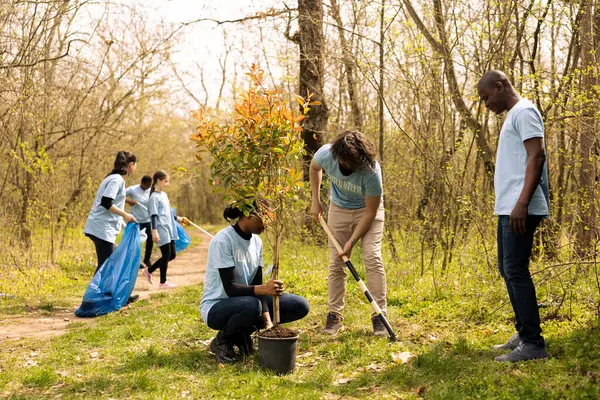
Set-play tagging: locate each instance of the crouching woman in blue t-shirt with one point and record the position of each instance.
(235, 301)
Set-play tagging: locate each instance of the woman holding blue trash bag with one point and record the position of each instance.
(108, 210)
(104, 220)
(164, 229)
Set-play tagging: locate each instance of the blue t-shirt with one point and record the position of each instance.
(102, 223)
(228, 249)
(349, 191)
(159, 205)
(523, 122)
(141, 196)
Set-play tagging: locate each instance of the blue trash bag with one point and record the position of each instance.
(112, 285)
(184, 239)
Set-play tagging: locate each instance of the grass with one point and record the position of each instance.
(157, 348)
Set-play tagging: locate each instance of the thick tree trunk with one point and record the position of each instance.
(311, 42)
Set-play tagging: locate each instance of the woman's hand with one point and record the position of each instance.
(271, 288)
(155, 236)
(128, 218)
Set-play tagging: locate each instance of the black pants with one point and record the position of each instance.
(149, 243)
(514, 252)
(243, 314)
(167, 252)
(103, 250)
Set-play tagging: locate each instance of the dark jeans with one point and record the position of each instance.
(167, 252)
(149, 243)
(514, 252)
(103, 250)
(236, 315)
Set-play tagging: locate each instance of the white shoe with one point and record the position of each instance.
(167, 285)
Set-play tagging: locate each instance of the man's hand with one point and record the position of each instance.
(347, 249)
(316, 210)
(155, 236)
(518, 219)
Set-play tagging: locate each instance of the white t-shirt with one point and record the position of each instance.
(228, 249)
(102, 223)
(141, 196)
(523, 122)
(159, 205)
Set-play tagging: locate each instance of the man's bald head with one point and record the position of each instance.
(492, 77)
(496, 91)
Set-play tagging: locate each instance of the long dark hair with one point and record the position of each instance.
(355, 149)
(122, 162)
(158, 175)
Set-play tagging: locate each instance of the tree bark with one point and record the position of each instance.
(590, 41)
(349, 65)
(311, 43)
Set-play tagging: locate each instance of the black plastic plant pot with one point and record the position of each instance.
(277, 354)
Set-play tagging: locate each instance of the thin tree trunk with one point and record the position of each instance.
(349, 65)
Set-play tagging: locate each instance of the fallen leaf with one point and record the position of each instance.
(307, 354)
(185, 394)
(206, 342)
(402, 358)
(94, 354)
(30, 363)
(342, 381)
(420, 390)
(432, 338)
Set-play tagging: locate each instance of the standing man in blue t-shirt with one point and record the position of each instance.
(137, 198)
(355, 212)
(521, 187)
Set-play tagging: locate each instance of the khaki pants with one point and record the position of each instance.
(341, 222)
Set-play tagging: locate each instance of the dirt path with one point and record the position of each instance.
(186, 270)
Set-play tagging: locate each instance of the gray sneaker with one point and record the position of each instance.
(524, 352)
(334, 324)
(379, 327)
(512, 343)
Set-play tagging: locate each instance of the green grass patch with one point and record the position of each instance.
(158, 348)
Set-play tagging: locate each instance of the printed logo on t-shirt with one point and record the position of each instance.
(349, 186)
(242, 256)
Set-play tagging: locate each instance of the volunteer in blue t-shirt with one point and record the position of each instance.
(108, 211)
(137, 198)
(355, 213)
(235, 300)
(521, 188)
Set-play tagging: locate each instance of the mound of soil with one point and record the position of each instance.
(279, 332)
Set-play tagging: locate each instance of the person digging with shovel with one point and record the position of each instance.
(355, 213)
(235, 300)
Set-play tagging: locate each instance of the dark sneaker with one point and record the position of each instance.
(334, 324)
(244, 343)
(379, 327)
(133, 298)
(524, 352)
(511, 344)
(222, 348)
